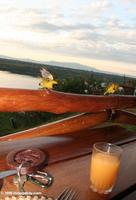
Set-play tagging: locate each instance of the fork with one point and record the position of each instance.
(67, 194)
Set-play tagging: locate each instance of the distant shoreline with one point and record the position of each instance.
(33, 69)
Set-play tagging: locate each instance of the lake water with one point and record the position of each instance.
(10, 80)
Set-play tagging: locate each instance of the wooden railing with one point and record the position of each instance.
(59, 102)
(94, 110)
(71, 147)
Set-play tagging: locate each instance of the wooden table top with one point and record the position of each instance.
(69, 161)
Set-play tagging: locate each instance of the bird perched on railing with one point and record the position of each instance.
(47, 81)
(112, 88)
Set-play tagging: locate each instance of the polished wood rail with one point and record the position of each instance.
(73, 124)
(14, 100)
(68, 125)
(102, 108)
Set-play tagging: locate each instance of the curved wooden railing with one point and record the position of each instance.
(60, 102)
(97, 109)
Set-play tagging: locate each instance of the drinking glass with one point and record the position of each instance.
(104, 168)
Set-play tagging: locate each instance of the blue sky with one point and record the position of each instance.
(98, 33)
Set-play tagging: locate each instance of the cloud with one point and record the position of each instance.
(98, 6)
(129, 1)
(93, 30)
(85, 45)
(14, 18)
(46, 26)
(7, 9)
(93, 11)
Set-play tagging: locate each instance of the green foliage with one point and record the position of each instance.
(74, 85)
(80, 85)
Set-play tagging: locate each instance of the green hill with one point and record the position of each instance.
(33, 69)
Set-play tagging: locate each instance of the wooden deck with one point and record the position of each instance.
(68, 143)
(69, 160)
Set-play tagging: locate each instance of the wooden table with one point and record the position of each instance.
(69, 161)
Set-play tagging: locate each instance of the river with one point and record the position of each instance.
(10, 80)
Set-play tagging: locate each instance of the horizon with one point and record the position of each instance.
(102, 35)
(61, 64)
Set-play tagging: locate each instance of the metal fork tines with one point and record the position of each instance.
(67, 194)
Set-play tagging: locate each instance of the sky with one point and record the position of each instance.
(97, 33)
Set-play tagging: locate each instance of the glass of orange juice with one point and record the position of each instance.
(104, 168)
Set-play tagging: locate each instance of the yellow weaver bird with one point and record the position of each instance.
(47, 81)
(112, 88)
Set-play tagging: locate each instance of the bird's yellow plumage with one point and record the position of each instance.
(112, 88)
(47, 81)
(45, 84)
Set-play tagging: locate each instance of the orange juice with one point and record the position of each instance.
(104, 169)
